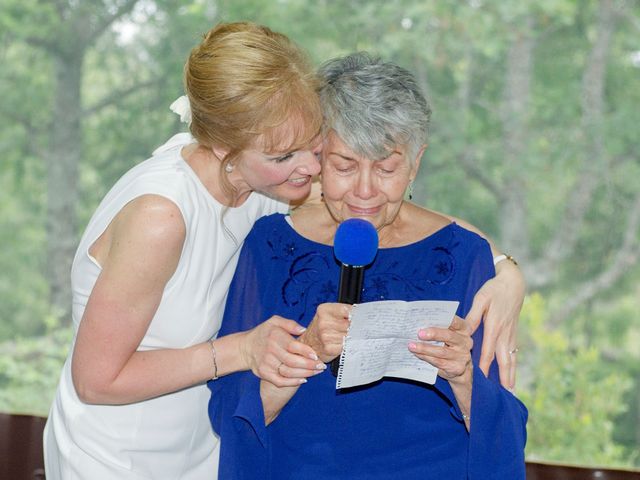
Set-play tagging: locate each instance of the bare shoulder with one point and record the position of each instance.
(463, 223)
(431, 216)
(156, 216)
(426, 222)
(472, 228)
(149, 228)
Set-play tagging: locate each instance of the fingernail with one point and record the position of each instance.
(313, 356)
(302, 380)
(424, 335)
(412, 346)
(321, 366)
(301, 329)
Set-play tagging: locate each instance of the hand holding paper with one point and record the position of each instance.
(453, 360)
(376, 343)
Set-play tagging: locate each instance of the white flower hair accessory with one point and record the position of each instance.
(182, 107)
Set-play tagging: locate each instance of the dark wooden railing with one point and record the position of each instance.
(21, 456)
(21, 447)
(550, 471)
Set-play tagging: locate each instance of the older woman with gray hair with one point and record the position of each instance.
(465, 425)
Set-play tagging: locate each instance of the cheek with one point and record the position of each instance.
(395, 189)
(334, 187)
(274, 174)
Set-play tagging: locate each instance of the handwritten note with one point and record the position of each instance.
(376, 343)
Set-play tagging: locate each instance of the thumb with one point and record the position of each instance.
(457, 324)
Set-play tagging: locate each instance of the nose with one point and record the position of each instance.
(309, 163)
(364, 187)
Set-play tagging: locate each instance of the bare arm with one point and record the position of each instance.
(499, 301)
(274, 399)
(145, 244)
(495, 251)
(324, 335)
(452, 359)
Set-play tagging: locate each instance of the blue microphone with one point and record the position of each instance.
(354, 246)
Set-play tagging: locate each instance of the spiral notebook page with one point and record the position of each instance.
(376, 343)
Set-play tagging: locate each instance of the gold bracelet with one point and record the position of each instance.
(499, 258)
(215, 363)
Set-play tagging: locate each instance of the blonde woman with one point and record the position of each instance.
(152, 271)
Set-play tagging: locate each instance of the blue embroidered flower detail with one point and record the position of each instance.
(303, 292)
(438, 269)
(289, 249)
(304, 272)
(442, 266)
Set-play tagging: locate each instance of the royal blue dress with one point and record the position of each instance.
(388, 429)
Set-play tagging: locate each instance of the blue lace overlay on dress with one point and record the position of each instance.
(302, 292)
(388, 429)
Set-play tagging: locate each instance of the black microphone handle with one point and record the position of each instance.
(349, 291)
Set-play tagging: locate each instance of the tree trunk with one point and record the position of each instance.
(62, 162)
(593, 167)
(514, 236)
(81, 25)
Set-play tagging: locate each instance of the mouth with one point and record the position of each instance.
(364, 210)
(299, 182)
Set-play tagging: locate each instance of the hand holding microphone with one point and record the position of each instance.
(355, 246)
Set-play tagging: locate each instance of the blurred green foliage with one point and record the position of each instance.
(30, 369)
(573, 395)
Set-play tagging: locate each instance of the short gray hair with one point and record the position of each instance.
(373, 105)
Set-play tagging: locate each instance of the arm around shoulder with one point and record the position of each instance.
(498, 304)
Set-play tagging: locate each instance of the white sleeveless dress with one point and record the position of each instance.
(168, 437)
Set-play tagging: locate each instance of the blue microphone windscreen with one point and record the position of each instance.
(356, 242)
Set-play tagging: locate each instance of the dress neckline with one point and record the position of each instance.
(450, 227)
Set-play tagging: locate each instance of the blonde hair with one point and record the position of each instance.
(244, 82)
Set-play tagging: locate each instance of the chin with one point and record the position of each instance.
(373, 221)
(294, 195)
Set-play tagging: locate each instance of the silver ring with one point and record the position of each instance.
(515, 350)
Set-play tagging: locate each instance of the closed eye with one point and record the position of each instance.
(344, 167)
(341, 163)
(388, 166)
(283, 158)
